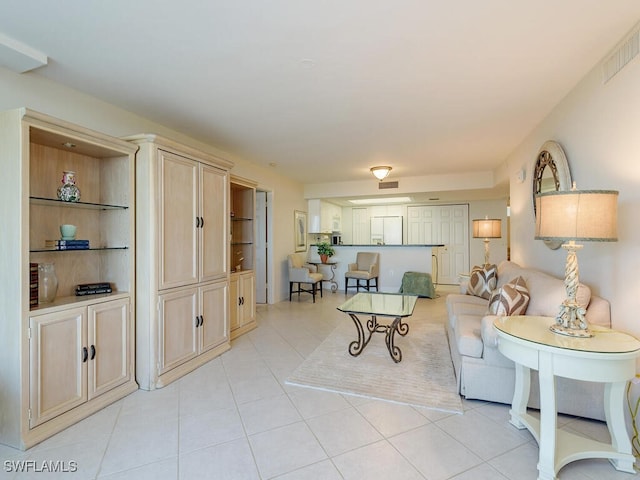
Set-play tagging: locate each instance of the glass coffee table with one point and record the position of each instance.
(392, 305)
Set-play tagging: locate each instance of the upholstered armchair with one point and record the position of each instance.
(302, 273)
(366, 269)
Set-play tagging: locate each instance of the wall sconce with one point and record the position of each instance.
(487, 228)
(380, 172)
(567, 216)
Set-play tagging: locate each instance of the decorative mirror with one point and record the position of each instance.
(551, 173)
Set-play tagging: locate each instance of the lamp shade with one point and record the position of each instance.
(587, 215)
(487, 228)
(380, 172)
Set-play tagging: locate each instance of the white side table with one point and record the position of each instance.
(608, 357)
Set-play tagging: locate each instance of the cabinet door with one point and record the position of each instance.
(58, 364)
(178, 261)
(177, 337)
(247, 298)
(109, 341)
(234, 303)
(214, 329)
(213, 213)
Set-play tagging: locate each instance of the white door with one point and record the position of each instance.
(262, 235)
(360, 226)
(453, 258)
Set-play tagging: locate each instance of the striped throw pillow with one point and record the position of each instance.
(510, 299)
(483, 281)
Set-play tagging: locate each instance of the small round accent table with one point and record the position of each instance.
(608, 357)
(332, 270)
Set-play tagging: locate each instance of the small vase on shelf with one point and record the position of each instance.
(68, 191)
(47, 283)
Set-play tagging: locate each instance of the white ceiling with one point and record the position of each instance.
(323, 90)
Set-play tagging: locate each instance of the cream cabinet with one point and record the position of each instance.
(242, 298)
(76, 355)
(242, 303)
(192, 244)
(192, 321)
(324, 217)
(182, 196)
(46, 386)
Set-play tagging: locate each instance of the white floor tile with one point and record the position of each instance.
(391, 418)
(434, 453)
(285, 449)
(269, 413)
(341, 431)
(379, 461)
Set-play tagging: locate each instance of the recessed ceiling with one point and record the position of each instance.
(322, 91)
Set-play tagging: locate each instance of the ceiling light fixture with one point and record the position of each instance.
(380, 172)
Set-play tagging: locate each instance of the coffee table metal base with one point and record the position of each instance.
(356, 347)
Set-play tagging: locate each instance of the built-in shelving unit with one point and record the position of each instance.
(63, 360)
(242, 283)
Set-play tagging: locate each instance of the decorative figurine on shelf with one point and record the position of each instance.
(325, 250)
(68, 191)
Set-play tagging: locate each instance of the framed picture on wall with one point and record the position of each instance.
(300, 230)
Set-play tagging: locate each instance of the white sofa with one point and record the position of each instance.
(483, 373)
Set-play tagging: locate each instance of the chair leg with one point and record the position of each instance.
(320, 284)
(290, 290)
(376, 279)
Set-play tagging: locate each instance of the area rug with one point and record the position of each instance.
(424, 377)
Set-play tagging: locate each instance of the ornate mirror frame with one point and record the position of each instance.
(550, 172)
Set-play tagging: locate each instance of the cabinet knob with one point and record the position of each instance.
(85, 354)
(201, 222)
(197, 222)
(93, 352)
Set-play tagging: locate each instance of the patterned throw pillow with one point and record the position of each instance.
(510, 299)
(483, 281)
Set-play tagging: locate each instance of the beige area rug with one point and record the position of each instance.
(423, 378)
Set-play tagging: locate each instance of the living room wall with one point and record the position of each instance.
(597, 125)
(32, 91)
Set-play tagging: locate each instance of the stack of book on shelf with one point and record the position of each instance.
(67, 244)
(33, 284)
(93, 288)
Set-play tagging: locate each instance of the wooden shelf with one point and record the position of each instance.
(54, 202)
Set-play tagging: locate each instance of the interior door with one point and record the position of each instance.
(262, 235)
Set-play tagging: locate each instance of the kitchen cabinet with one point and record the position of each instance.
(182, 227)
(324, 217)
(242, 304)
(45, 385)
(76, 355)
(242, 285)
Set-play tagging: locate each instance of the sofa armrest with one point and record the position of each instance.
(488, 331)
(311, 268)
(599, 312)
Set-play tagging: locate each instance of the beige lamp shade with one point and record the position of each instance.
(586, 215)
(487, 228)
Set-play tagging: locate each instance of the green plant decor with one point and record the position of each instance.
(324, 248)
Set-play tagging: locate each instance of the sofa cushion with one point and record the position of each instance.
(483, 281)
(510, 299)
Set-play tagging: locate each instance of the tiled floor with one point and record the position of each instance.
(235, 418)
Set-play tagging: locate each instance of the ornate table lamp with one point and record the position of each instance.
(487, 228)
(567, 216)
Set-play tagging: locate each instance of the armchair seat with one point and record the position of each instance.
(305, 276)
(365, 269)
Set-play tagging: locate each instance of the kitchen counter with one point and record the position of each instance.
(395, 260)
